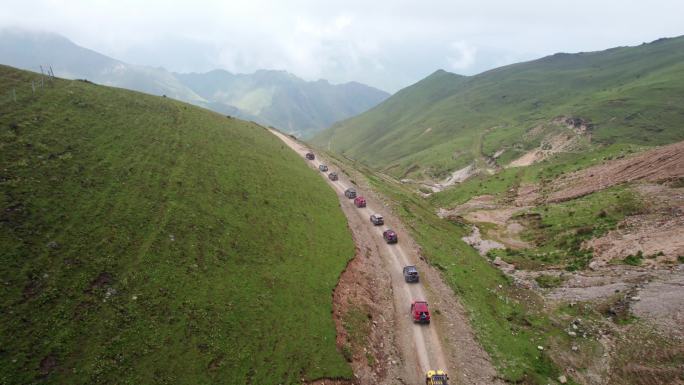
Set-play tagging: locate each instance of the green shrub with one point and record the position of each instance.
(634, 259)
(548, 281)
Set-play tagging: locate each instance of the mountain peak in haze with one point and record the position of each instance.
(270, 97)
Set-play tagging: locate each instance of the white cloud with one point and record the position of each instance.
(463, 55)
(387, 43)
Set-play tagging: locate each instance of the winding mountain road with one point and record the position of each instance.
(425, 350)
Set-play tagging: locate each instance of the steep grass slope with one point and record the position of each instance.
(146, 241)
(628, 95)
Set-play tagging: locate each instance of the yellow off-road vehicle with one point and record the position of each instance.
(436, 377)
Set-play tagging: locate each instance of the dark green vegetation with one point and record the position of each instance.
(557, 230)
(510, 322)
(628, 95)
(148, 241)
(549, 281)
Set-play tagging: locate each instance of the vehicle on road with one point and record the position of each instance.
(377, 219)
(323, 167)
(436, 377)
(310, 156)
(411, 274)
(350, 193)
(420, 312)
(333, 176)
(360, 202)
(390, 236)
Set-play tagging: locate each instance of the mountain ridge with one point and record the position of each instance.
(270, 97)
(626, 94)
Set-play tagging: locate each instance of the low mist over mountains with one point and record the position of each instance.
(274, 98)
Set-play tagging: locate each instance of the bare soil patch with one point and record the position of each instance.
(662, 302)
(365, 285)
(578, 132)
(483, 209)
(659, 164)
(657, 233)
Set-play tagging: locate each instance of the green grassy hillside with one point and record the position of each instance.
(632, 95)
(146, 241)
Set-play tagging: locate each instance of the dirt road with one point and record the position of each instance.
(420, 347)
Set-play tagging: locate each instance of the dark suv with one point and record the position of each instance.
(411, 274)
(332, 176)
(350, 193)
(310, 156)
(390, 236)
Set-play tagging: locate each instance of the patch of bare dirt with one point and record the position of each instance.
(102, 280)
(47, 365)
(499, 217)
(483, 246)
(528, 158)
(657, 233)
(662, 302)
(457, 176)
(656, 165)
(599, 284)
(483, 209)
(578, 132)
(364, 284)
(479, 202)
(528, 195)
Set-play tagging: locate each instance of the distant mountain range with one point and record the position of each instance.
(273, 98)
(522, 113)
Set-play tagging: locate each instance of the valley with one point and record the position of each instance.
(183, 234)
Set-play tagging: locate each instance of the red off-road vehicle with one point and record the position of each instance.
(390, 236)
(420, 312)
(360, 202)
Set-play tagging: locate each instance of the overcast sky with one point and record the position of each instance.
(387, 44)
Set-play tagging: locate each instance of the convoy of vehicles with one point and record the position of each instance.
(419, 308)
(420, 312)
(390, 236)
(377, 219)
